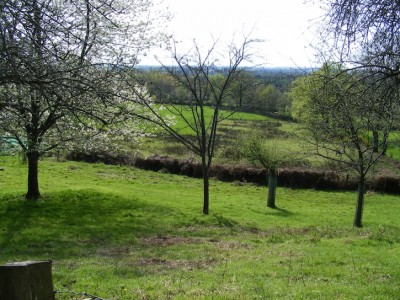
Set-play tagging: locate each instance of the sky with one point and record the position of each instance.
(285, 26)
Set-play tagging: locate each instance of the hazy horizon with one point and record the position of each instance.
(285, 26)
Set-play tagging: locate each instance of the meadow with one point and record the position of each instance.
(234, 131)
(231, 134)
(123, 233)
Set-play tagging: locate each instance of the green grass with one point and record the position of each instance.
(230, 130)
(233, 131)
(123, 233)
(231, 134)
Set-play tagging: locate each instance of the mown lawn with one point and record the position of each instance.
(124, 233)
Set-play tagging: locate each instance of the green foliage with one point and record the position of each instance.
(313, 92)
(265, 152)
(122, 233)
(340, 111)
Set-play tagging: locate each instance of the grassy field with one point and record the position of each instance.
(123, 233)
(232, 133)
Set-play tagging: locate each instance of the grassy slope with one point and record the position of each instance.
(123, 233)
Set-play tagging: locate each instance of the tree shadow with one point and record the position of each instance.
(280, 212)
(224, 221)
(74, 224)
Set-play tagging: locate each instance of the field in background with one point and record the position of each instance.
(124, 233)
(233, 132)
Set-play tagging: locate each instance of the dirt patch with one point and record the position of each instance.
(152, 261)
(230, 245)
(115, 251)
(177, 264)
(169, 240)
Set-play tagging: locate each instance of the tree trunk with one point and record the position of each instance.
(272, 183)
(360, 202)
(206, 185)
(385, 145)
(205, 168)
(375, 141)
(33, 182)
(206, 188)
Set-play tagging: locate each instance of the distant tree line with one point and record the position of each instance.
(263, 91)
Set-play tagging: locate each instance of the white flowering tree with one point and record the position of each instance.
(59, 68)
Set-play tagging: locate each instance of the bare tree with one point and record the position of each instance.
(59, 65)
(365, 35)
(206, 85)
(370, 25)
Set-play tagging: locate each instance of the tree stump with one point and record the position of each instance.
(28, 280)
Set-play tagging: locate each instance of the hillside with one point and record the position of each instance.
(123, 233)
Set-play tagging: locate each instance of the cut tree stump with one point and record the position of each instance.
(27, 280)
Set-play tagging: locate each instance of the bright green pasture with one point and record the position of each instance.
(183, 114)
(124, 233)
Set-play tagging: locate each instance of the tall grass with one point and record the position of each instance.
(122, 233)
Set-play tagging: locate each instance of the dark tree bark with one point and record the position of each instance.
(33, 182)
(375, 141)
(206, 193)
(360, 202)
(272, 183)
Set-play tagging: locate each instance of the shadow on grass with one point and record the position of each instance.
(281, 212)
(75, 223)
(223, 221)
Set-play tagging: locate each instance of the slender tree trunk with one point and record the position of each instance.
(375, 141)
(360, 202)
(272, 183)
(33, 182)
(206, 187)
(206, 184)
(385, 145)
